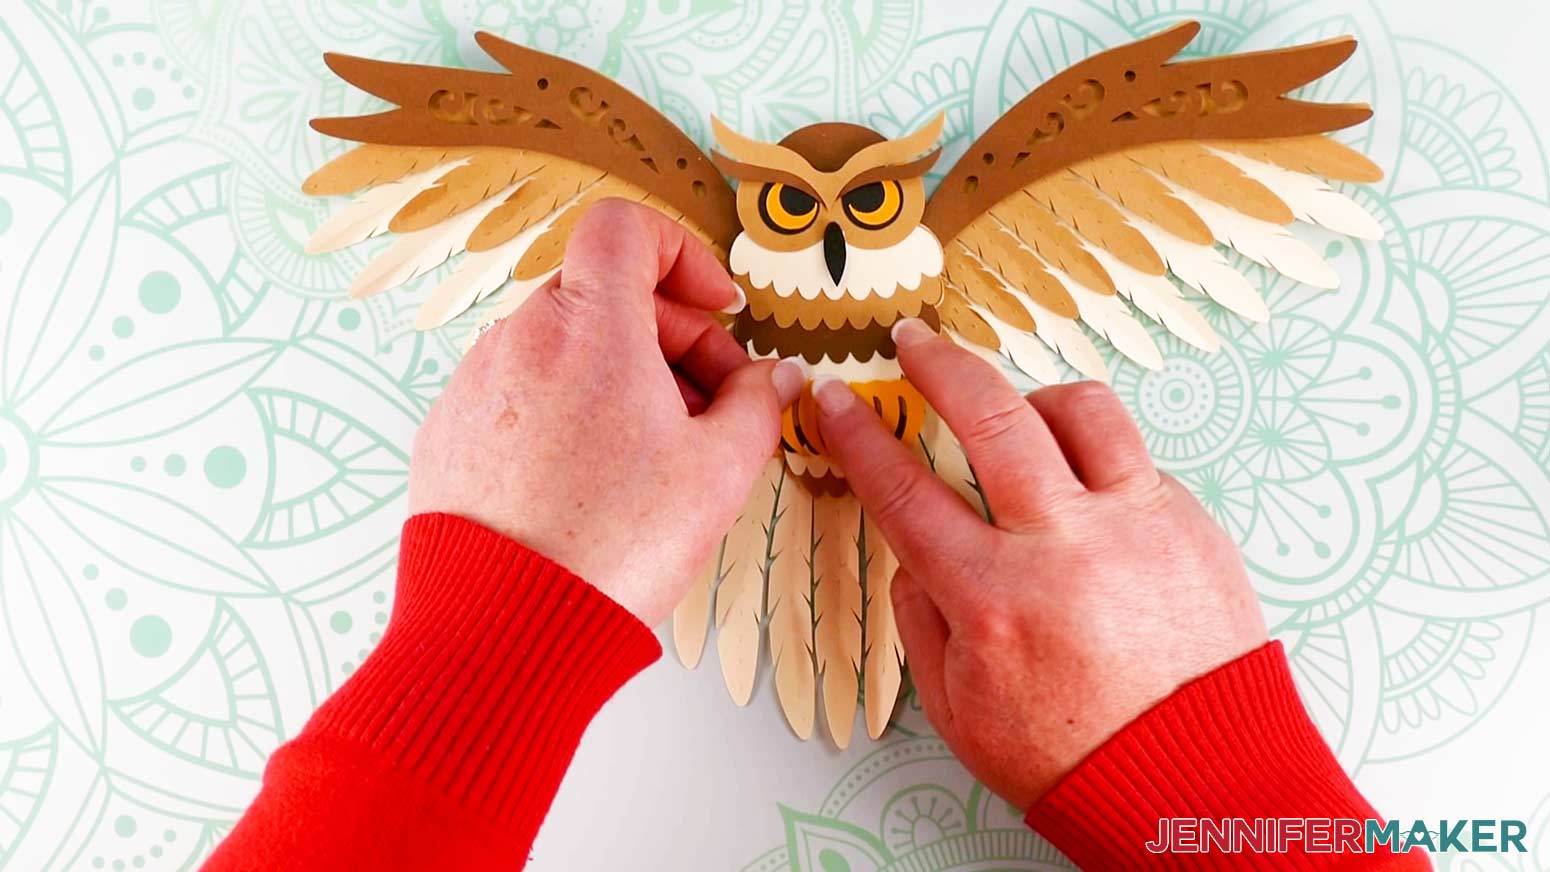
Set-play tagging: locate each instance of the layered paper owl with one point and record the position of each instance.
(1112, 188)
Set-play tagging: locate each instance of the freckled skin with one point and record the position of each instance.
(565, 429)
(1102, 587)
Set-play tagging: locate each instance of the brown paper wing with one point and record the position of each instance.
(1114, 186)
(494, 169)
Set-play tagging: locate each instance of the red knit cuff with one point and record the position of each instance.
(495, 661)
(1236, 742)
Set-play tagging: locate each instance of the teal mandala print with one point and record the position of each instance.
(203, 446)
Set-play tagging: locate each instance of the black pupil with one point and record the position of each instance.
(794, 201)
(867, 198)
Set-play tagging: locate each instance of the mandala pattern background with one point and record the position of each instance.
(203, 448)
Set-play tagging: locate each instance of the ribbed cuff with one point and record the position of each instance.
(495, 661)
(1235, 743)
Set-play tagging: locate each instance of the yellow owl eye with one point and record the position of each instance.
(876, 204)
(786, 209)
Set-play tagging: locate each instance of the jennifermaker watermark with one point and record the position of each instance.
(1334, 835)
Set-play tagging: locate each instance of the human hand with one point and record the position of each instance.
(609, 423)
(1101, 588)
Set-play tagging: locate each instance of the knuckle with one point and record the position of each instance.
(996, 425)
(900, 492)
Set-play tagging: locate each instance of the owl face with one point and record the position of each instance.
(835, 188)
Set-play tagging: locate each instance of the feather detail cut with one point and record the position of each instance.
(1157, 298)
(960, 319)
(413, 254)
(946, 458)
(536, 198)
(1038, 228)
(478, 275)
(548, 249)
(368, 165)
(1076, 203)
(487, 171)
(837, 611)
(745, 556)
(1026, 353)
(1310, 199)
(883, 651)
(1195, 168)
(1271, 245)
(983, 289)
(1064, 336)
(1203, 268)
(1109, 317)
(1319, 155)
(1001, 253)
(369, 214)
(791, 610)
(1132, 186)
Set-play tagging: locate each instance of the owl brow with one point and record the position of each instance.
(745, 172)
(914, 169)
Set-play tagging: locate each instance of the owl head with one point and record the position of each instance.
(842, 187)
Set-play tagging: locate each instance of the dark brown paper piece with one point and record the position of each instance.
(545, 104)
(1130, 96)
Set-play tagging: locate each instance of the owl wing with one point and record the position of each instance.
(497, 168)
(1125, 168)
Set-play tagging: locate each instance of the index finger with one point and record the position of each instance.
(621, 254)
(931, 528)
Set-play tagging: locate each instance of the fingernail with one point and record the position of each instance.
(911, 331)
(833, 394)
(736, 305)
(789, 376)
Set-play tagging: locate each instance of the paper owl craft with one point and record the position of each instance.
(1073, 209)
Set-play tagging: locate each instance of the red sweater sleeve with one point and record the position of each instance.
(1235, 743)
(446, 747)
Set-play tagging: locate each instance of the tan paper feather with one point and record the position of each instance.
(1203, 268)
(368, 165)
(534, 199)
(1076, 203)
(1195, 168)
(1319, 155)
(790, 611)
(1039, 229)
(1132, 186)
(1310, 199)
(1109, 317)
(478, 275)
(883, 654)
(548, 249)
(1264, 242)
(368, 214)
(1026, 353)
(959, 317)
(975, 282)
(691, 619)
(1002, 254)
(1158, 299)
(739, 600)
(488, 171)
(946, 458)
(837, 611)
(414, 254)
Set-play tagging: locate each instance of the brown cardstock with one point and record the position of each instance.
(546, 104)
(1130, 96)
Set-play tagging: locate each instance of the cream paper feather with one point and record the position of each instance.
(370, 213)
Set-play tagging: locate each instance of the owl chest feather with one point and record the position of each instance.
(841, 328)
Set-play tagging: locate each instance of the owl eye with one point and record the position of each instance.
(786, 209)
(876, 204)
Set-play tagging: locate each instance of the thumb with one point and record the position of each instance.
(744, 415)
(924, 633)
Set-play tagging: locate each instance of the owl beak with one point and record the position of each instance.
(834, 251)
